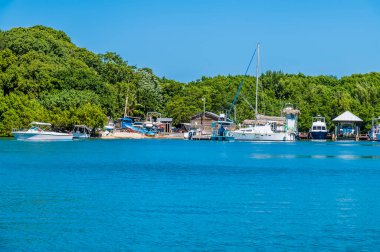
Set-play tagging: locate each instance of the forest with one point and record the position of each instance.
(45, 77)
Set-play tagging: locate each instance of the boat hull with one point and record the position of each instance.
(222, 138)
(318, 135)
(44, 136)
(275, 136)
(377, 137)
(81, 135)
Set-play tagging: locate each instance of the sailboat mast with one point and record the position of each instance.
(257, 79)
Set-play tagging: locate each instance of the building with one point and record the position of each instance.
(166, 124)
(202, 121)
(347, 126)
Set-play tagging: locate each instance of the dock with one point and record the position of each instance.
(201, 137)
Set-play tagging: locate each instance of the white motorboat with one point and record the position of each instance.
(318, 128)
(40, 131)
(81, 131)
(110, 125)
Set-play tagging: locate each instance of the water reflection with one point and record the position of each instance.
(291, 156)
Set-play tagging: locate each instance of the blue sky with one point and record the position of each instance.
(185, 40)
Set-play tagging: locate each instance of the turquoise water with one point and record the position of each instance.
(178, 195)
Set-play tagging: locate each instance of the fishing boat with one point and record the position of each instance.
(374, 133)
(40, 131)
(221, 129)
(268, 128)
(318, 128)
(81, 131)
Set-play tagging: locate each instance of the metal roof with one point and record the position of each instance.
(208, 114)
(164, 119)
(347, 117)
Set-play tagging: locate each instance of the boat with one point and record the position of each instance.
(110, 125)
(40, 131)
(318, 128)
(128, 124)
(81, 131)
(189, 134)
(374, 133)
(268, 128)
(221, 129)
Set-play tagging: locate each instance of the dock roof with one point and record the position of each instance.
(347, 117)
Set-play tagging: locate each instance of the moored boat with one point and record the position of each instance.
(81, 131)
(40, 131)
(268, 128)
(221, 129)
(318, 128)
(374, 133)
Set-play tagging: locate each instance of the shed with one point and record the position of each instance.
(347, 126)
(166, 123)
(203, 121)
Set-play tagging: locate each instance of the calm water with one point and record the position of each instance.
(189, 195)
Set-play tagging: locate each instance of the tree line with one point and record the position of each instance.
(45, 77)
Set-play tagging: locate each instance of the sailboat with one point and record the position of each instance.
(269, 128)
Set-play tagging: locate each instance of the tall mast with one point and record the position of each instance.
(257, 79)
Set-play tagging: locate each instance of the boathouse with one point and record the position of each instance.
(347, 126)
(203, 121)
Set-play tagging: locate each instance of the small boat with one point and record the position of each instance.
(318, 128)
(221, 129)
(374, 133)
(110, 125)
(191, 133)
(81, 131)
(40, 131)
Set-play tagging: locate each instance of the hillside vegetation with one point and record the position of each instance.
(45, 77)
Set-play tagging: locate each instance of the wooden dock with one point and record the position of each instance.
(201, 137)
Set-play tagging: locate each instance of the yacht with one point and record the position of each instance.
(40, 131)
(318, 128)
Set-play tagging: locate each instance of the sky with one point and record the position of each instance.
(185, 40)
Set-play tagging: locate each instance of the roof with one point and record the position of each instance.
(211, 115)
(82, 126)
(40, 123)
(290, 110)
(347, 117)
(164, 119)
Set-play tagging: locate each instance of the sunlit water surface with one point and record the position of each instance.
(189, 195)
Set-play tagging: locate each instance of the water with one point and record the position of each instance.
(177, 195)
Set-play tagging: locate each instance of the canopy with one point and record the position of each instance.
(263, 119)
(347, 117)
(40, 123)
